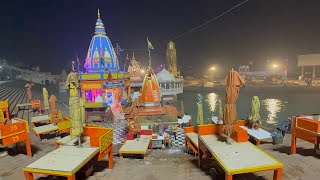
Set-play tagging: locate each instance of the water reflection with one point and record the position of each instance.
(212, 100)
(273, 106)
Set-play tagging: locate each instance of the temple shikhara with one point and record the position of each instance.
(102, 84)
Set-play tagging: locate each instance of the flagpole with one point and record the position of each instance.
(149, 52)
(149, 57)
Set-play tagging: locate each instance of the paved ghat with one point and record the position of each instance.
(166, 164)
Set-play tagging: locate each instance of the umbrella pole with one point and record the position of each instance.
(79, 143)
(228, 139)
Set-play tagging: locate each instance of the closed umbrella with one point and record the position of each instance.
(233, 81)
(254, 116)
(82, 110)
(45, 98)
(200, 110)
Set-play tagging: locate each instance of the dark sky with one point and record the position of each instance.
(49, 32)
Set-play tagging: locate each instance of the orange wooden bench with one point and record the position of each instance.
(15, 132)
(306, 128)
(4, 106)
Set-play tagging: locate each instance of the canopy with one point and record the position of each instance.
(233, 81)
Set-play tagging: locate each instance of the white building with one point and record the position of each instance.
(169, 85)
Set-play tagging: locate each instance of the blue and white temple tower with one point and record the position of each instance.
(101, 55)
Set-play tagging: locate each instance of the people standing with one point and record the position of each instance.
(29, 91)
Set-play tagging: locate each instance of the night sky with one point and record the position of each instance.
(50, 32)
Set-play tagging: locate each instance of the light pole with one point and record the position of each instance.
(275, 67)
(213, 69)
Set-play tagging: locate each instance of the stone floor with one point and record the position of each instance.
(172, 164)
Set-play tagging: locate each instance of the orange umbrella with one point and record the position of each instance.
(233, 81)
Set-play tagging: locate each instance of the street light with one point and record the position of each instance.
(213, 69)
(275, 66)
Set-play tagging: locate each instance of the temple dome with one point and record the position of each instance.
(101, 55)
(165, 76)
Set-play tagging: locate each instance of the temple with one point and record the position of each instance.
(103, 84)
(136, 78)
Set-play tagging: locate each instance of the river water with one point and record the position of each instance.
(275, 105)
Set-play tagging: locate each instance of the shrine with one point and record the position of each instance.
(102, 84)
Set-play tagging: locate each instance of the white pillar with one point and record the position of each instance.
(313, 72)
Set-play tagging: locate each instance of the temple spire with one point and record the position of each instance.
(133, 55)
(99, 30)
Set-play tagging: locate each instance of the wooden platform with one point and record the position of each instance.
(65, 161)
(45, 129)
(39, 119)
(258, 134)
(136, 146)
(239, 158)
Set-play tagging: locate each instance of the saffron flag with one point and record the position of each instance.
(149, 44)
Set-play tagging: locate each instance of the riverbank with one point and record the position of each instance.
(172, 164)
(257, 88)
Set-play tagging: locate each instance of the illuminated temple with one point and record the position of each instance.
(102, 84)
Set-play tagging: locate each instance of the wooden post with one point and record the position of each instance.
(110, 157)
(277, 174)
(228, 176)
(258, 142)
(28, 175)
(293, 137)
(72, 177)
(28, 146)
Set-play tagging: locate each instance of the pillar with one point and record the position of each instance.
(302, 72)
(313, 72)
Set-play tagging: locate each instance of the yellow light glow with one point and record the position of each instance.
(275, 66)
(213, 68)
(142, 71)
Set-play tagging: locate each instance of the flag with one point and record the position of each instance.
(149, 44)
(78, 61)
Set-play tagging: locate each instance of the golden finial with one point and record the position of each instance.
(98, 14)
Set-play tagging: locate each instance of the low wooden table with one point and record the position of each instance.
(238, 158)
(136, 146)
(192, 141)
(35, 104)
(258, 134)
(65, 161)
(40, 119)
